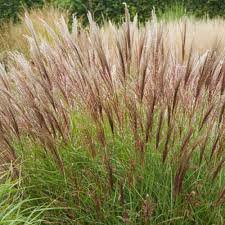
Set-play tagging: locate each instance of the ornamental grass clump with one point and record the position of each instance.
(118, 116)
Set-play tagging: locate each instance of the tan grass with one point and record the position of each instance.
(201, 34)
(12, 36)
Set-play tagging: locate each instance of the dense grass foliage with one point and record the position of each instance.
(117, 124)
(15, 207)
(13, 35)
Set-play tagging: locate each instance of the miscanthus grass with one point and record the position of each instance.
(114, 125)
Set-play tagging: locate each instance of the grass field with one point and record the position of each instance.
(112, 124)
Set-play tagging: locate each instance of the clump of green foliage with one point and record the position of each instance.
(113, 9)
(15, 206)
(9, 10)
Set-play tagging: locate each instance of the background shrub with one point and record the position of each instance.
(9, 9)
(114, 9)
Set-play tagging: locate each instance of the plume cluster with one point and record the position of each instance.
(127, 77)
